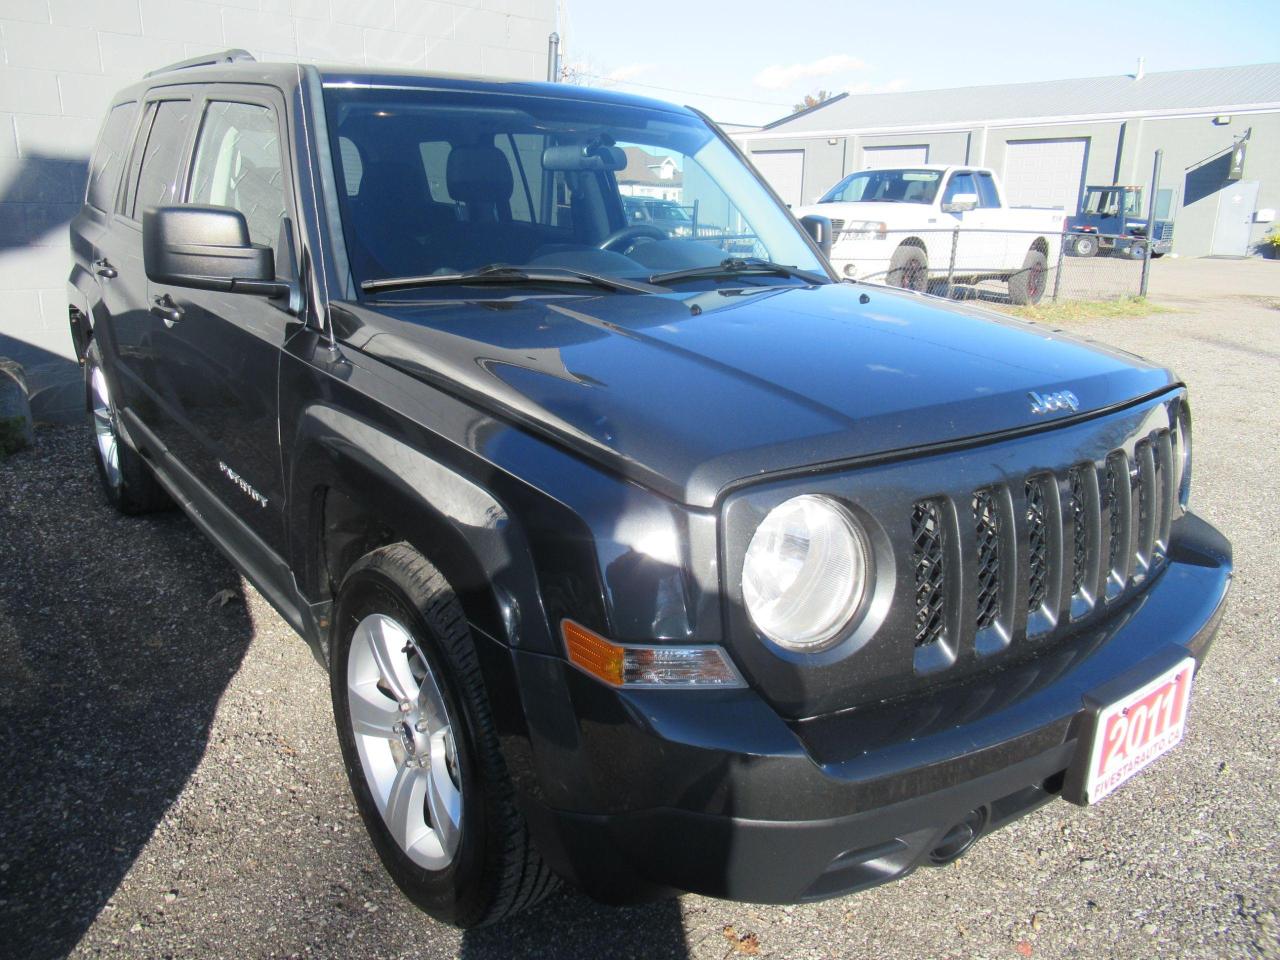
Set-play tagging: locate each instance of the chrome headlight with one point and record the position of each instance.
(864, 229)
(1182, 452)
(805, 573)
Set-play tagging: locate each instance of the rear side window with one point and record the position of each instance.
(160, 160)
(987, 196)
(108, 156)
(238, 165)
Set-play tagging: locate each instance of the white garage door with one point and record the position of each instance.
(784, 169)
(1045, 173)
(877, 158)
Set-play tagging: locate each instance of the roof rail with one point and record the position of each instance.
(208, 60)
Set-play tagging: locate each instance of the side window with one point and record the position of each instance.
(960, 183)
(238, 165)
(435, 159)
(520, 198)
(108, 156)
(160, 166)
(352, 166)
(987, 194)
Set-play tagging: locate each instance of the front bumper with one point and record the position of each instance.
(644, 792)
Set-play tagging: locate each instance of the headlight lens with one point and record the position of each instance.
(864, 229)
(805, 572)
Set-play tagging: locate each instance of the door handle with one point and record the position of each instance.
(164, 308)
(105, 269)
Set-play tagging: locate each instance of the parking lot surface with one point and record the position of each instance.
(172, 784)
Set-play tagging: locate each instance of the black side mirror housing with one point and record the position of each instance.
(819, 228)
(207, 248)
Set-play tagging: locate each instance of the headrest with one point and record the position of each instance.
(479, 174)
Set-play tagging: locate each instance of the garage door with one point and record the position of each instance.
(876, 158)
(784, 169)
(1045, 173)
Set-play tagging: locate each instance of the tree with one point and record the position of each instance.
(812, 100)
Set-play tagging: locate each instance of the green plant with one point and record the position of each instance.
(1272, 240)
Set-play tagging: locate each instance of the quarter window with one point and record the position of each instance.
(108, 158)
(238, 165)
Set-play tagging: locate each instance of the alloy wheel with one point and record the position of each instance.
(405, 740)
(104, 428)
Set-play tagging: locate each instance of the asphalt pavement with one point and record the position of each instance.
(172, 785)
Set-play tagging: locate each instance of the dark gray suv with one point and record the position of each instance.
(650, 561)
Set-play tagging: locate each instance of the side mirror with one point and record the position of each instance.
(961, 202)
(819, 228)
(207, 248)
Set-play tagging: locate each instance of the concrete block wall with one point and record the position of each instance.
(62, 60)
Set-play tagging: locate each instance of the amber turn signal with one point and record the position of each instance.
(647, 666)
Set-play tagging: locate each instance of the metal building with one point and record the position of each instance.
(1219, 130)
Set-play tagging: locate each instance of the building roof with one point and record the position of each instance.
(642, 167)
(1175, 90)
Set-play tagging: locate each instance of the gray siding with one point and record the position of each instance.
(61, 61)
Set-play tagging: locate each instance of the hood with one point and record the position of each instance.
(865, 210)
(689, 393)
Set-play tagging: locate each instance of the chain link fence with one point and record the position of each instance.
(1001, 266)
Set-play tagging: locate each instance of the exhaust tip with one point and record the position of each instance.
(959, 837)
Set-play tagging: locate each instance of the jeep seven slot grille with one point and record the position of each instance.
(926, 533)
(1074, 539)
(986, 524)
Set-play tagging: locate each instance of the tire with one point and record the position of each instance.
(909, 269)
(1156, 256)
(1027, 285)
(451, 837)
(1084, 247)
(1137, 251)
(126, 477)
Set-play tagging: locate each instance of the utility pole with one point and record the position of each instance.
(1151, 221)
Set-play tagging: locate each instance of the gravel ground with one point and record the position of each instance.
(173, 786)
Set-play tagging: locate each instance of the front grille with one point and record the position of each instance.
(1080, 530)
(1076, 538)
(928, 556)
(1037, 544)
(836, 227)
(986, 523)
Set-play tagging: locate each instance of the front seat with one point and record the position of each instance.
(393, 216)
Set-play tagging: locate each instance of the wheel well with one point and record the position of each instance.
(346, 529)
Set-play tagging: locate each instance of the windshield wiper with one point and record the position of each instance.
(506, 273)
(739, 266)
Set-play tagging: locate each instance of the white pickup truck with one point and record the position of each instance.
(901, 226)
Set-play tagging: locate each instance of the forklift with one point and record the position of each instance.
(1112, 221)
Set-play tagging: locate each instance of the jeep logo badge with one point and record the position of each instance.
(1048, 402)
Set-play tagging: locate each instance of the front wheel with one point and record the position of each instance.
(909, 269)
(420, 747)
(1027, 285)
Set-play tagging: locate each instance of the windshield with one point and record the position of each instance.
(893, 186)
(436, 182)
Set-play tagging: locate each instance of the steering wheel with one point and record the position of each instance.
(623, 239)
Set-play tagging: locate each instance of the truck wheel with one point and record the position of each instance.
(126, 477)
(420, 747)
(909, 269)
(1085, 246)
(1138, 251)
(1027, 285)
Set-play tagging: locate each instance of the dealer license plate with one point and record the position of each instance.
(1134, 731)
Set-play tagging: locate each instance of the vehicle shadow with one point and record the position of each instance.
(112, 662)
(570, 926)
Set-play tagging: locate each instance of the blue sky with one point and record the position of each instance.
(747, 61)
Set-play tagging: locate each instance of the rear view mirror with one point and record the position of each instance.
(960, 202)
(819, 228)
(206, 248)
(584, 156)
